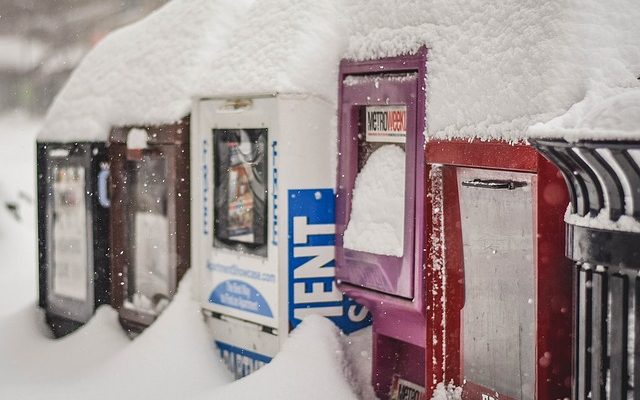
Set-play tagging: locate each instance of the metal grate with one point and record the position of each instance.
(607, 344)
(604, 182)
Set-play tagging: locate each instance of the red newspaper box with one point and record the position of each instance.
(498, 304)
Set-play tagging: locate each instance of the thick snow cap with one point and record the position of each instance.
(604, 114)
(290, 46)
(495, 68)
(145, 73)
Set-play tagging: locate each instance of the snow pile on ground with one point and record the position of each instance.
(176, 349)
(358, 348)
(604, 114)
(494, 69)
(447, 392)
(17, 227)
(145, 73)
(311, 365)
(376, 224)
(283, 46)
(28, 355)
(27, 352)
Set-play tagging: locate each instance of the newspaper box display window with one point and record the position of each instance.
(72, 232)
(263, 222)
(497, 210)
(379, 211)
(240, 192)
(150, 227)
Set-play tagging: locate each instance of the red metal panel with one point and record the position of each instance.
(552, 270)
(495, 155)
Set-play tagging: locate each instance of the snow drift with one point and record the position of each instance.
(494, 69)
(311, 365)
(290, 46)
(145, 73)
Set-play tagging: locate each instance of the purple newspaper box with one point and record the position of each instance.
(379, 211)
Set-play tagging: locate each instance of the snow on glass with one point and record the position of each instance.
(376, 224)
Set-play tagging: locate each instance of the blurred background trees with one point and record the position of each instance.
(42, 41)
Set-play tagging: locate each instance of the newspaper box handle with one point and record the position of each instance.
(494, 184)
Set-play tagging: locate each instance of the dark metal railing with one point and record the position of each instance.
(603, 178)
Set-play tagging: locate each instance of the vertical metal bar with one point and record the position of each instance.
(584, 338)
(599, 300)
(618, 353)
(577, 289)
(636, 341)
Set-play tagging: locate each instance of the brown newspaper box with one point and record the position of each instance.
(150, 219)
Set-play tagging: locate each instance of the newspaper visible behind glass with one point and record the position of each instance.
(69, 233)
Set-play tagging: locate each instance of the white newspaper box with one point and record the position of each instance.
(263, 180)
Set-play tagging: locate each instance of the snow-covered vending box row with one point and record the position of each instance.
(456, 247)
(113, 224)
(425, 235)
(440, 220)
(262, 206)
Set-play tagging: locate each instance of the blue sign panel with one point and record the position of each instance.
(311, 241)
(240, 361)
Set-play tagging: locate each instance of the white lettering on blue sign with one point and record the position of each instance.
(312, 286)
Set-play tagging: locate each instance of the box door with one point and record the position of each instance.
(69, 233)
(151, 274)
(375, 204)
(240, 273)
(240, 190)
(498, 318)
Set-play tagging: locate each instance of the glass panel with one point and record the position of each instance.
(149, 276)
(376, 223)
(499, 311)
(240, 196)
(70, 253)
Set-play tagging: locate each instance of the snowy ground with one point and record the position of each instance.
(173, 359)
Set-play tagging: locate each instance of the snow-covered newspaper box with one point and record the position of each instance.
(73, 232)
(379, 212)
(149, 219)
(263, 222)
(499, 291)
(600, 161)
